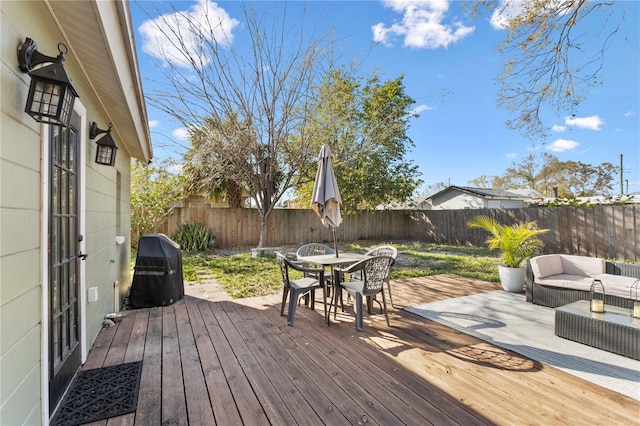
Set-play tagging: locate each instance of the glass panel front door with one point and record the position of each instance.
(64, 326)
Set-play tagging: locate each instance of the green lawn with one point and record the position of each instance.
(243, 276)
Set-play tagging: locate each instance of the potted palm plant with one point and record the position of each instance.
(516, 242)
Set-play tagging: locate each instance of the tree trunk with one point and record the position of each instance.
(264, 219)
(234, 194)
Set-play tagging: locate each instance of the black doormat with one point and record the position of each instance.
(99, 394)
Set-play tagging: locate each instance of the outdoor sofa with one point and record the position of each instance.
(559, 279)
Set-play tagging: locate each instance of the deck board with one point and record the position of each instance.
(174, 405)
(299, 371)
(150, 395)
(312, 381)
(199, 410)
(221, 399)
(252, 410)
(237, 362)
(270, 380)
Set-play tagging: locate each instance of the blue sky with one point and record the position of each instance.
(449, 65)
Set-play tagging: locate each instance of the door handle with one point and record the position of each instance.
(82, 256)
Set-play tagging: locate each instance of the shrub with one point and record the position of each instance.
(154, 193)
(194, 237)
(517, 242)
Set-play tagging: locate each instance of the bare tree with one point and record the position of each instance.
(483, 181)
(554, 51)
(244, 102)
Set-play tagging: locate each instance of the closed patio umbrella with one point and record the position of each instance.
(326, 200)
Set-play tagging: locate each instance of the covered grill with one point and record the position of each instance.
(157, 279)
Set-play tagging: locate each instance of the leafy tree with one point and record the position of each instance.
(245, 108)
(585, 180)
(521, 175)
(207, 171)
(570, 178)
(154, 193)
(365, 124)
(554, 52)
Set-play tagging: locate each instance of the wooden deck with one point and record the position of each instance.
(230, 363)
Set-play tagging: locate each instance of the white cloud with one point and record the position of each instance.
(533, 148)
(629, 114)
(181, 133)
(421, 25)
(159, 35)
(558, 128)
(592, 123)
(504, 12)
(153, 123)
(511, 155)
(175, 168)
(561, 145)
(420, 108)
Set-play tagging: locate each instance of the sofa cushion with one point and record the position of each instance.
(617, 285)
(546, 265)
(582, 265)
(614, 285)
(575, 282)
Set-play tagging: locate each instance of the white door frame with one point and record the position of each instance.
(79, 109)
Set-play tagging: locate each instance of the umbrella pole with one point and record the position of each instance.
(335, 243)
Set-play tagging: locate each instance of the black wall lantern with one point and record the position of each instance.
(51, 94)
(106, 146)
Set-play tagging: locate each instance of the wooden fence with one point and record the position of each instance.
(611, 232)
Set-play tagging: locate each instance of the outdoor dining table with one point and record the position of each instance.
(333, 261)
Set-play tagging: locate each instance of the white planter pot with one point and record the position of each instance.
(512, 279)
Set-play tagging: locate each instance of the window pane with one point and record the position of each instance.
(73, 326)
(72, 194)
(68, 243)
(55, 201)
(72, 152)
(64, 333)
(64, 144)
(56, 342)
(64, 194)
(64, 254)
(56, 144)
(55, 249)
(55, 286)
(64, 287)
(72, 283)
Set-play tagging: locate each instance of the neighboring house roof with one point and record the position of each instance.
(427, 202)
(100, 38)
(488, 193)
(529, 193)
(419, 203)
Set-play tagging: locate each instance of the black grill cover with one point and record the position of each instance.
(157, 279)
